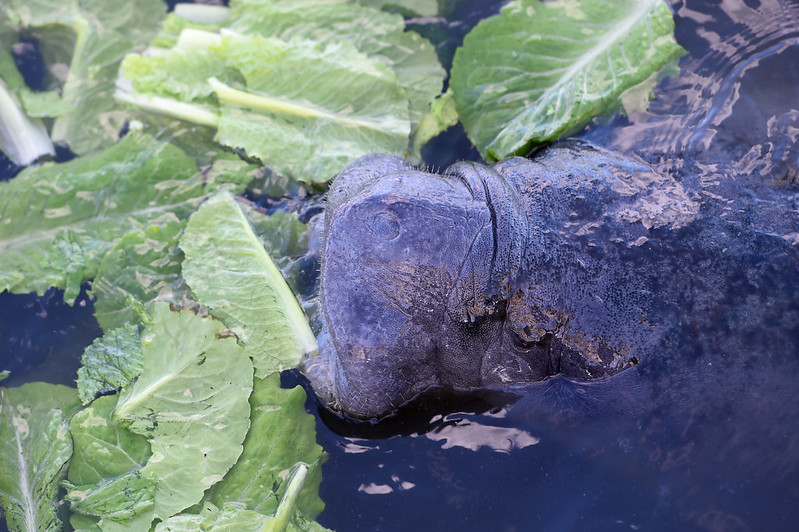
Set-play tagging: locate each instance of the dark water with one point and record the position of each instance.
(702, 435)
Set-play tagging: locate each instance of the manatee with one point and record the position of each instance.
(562, 264)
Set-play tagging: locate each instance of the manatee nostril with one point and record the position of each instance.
(385, 225)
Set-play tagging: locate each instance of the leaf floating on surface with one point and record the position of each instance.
(540, 70)
(91, 37)
(304, 109)
(228, 269)
(35, 447)
(111, 362)
(191, 403)
(58, 221)
(282, 435)
(145, 266)
(104, 477)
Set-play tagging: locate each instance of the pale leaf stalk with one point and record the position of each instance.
(286, 508)
(22, 139)
(276, 105)
(170, 107)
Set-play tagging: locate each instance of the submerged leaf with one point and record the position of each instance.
(34, 449)
(191, 403)
(540, 70)
(57, 221)
(228, 269)
(111, 362)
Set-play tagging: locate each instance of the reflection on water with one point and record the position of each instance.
(455, 431)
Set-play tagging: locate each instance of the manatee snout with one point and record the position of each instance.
(460, 280)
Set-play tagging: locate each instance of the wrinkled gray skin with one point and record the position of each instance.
(490, 276)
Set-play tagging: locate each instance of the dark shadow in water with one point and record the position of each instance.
(43, 338)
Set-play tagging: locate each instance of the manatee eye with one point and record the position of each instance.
(385, 225)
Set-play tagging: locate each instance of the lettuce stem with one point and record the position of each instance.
(167, 106)
(22, 139)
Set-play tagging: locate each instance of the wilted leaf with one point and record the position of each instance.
(57, 221)
(305, 110)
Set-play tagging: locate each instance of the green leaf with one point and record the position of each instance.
(191, 403)
(228, 269)
(58, 221)
(282, 436)
(143, 266)
(112, 361)
(92, 37)
(440, 117)
(304, 109)
(212, 518)
(540, 70)
(34, 449)
(377, 34)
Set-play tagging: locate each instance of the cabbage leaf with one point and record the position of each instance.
(92, 37)
(190, 401)
(35, 447)
(229, 270)
(57, 221)
(541, 70)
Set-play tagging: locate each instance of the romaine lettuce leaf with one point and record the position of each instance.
(57, 221)
(282, 434)
(228, 269)
(540, 70)
(92, 37)
(112, 361)
(379, 35)
(304, 109)
(35, 447)
(191, 402)
(22, 138)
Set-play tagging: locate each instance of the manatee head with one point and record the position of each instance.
(413, 264)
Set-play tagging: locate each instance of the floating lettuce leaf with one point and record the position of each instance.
(540, 70)
(228, 269)
(35, 447)
(440, 117)
(104, 477)
(377, 34)
(191, 402)
(57, 221)
(282, 435)
(304, 109)
(112, 361)
(92, 37)
(143, 266)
